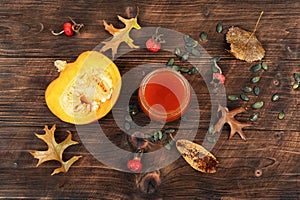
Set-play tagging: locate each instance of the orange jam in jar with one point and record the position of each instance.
(164, 95)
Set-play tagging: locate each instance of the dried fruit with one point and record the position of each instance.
(244, 44)
(256, 90)
(228, 117)
(275, 97)
(244, 97)
(247, 89)
(232, 97)
(255, 79)
(120, 35)
(256, 68)
(219, 27)
(254, 117)
(281, 115)
(197, 156)
(55, 150)
(258, 105)
(85, 90)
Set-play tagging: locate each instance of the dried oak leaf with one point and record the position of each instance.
(244, 45)
(228, 117)
(55, 150)
(120, 35)
(197, 156)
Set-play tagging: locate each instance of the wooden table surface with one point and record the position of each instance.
(27, 53)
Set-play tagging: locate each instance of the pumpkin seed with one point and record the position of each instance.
(184, 69)
(211, 139)
(194, 70)
(256, 68)
(264, 66)
(244, 97)
(148, 137)
(211, 129)
(191, 43)
(232, 97)
(155, 136)
(160, 135)
(176, 68)
(247, 89)
(219, 27)
(185, 56)
(254, 117)
(256, 90)
(171, 62)
(295, 85)
(127, 126)
(195, 52)
(297, 78)
(258, 105)
(281, 115)
(203, 36)
(177, 52)
(189, 49)
(255, 79)
(128, 118)
(216, 59)
(275, 97)
(187, 38)
(167, 146)
(164, 136)
(169, 131)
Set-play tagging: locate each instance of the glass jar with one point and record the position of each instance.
(164, 94)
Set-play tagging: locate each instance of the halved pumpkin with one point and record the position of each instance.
(86, 90)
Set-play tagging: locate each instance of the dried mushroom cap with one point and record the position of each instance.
(244, 45)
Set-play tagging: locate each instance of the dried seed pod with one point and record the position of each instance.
(219, 27)
(258, 105)
(264, 66)
(256, 90)
(255, 79)
(275, 97)
(247, 89)
(197, 156)
(281, 115)
(244, 97)
(256, 68)
(232, 97)
(254, 117)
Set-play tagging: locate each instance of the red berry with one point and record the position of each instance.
(68, 29)
(152, 45)
(220, 77)
(135, 165)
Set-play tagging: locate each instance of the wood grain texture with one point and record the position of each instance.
(27, 53)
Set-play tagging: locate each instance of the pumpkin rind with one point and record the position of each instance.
(93, 66)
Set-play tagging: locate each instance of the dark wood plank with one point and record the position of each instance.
(27, 53)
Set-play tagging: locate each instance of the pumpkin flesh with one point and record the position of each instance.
(85, 90)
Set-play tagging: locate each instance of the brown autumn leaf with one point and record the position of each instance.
(197, 156)
(228, 117)
(244, 45)
(120, 35)
(55, 150)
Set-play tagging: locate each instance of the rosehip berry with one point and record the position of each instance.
(68, 29)
(135, 165)
(220, 77)
(152, 45)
